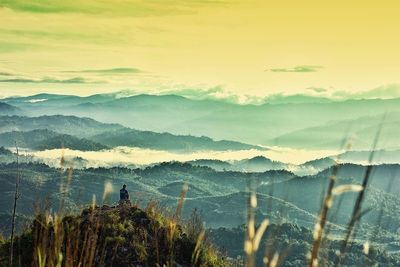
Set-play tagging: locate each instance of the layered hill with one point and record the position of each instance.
(43, 139)
(166, 141)
(82, 127)
(219, 196)
(359, 132)
(6, 109)
(293, 243)
(46, 132)
(256, 124)
(255, 164)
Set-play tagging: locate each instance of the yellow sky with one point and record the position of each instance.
(247, 47)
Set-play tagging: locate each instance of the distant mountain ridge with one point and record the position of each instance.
(359, 133)
(220, 194)
(83, 127)
(42, 139)
(256, 124)
(166, 141)
(7, 109)
(255, 164)
(47, 132)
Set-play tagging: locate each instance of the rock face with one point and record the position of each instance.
(122, 235)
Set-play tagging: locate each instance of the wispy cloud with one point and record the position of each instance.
(216, 93)
(281, 98)
(310, 95)
(117, 7)
(301, 68)
(3, 73)
(383, 92)
(108, 71)
(7, 47)
(317, 89)
(48, 80)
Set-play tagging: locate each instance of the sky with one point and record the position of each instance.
(246, 48)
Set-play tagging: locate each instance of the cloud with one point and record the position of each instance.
(281, 98)
(109, 71)
(7, 47)
(383, 92)
(75, 80)
(317, 89)
(196, 93)
(6, 74)
(136, 8)
(302, 68)
(216, 93)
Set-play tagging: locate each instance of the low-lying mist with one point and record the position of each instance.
(132, 156)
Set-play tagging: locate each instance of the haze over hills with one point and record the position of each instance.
(8, 109)
(269, 127)
(166, 141)
(157, 165)
(43, 139)
(83, 127)
(128, 130)
(48, 132)
(218, 195)
(219, 198)
(279, 123)
(360, 133)
(255, 164)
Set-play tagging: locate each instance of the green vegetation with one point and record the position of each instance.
(218, 195)
(46, 139)
(112, 236)
(125, 234)
(82, 127)
(294, 243)
(322, 212)
(5, 152)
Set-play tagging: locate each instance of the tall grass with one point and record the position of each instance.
(16, 197)
(253, 235)
(357, 210)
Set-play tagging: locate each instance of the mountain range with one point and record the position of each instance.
(359, 133)
(220, 197)
(48, 132)
(42, 139)
(287, 123)
(8, 109)
(255, 164)
(217, 189)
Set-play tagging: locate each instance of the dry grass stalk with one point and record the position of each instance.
(253, 235)
(181, 201)
(357, 210)
(16, 197)
(197, 249)
(322, 219)
(326, 205)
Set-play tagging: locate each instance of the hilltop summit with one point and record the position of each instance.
(122, 235)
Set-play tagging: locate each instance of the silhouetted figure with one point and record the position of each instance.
(123, 194)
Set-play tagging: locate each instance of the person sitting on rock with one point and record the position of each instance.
(123, 194)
